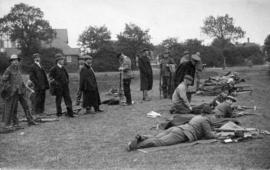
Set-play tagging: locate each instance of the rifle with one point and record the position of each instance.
(160, 79)
(121, 95)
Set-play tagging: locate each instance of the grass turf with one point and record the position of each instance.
(98, 141)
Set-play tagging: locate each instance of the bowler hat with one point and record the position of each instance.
(36, 55)
(195, 57)
(59, 56)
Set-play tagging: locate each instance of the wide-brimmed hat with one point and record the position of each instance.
(195, 57)
(36, 55)
(59, 56)
(231, 98)
(14, 57)
(188, 77)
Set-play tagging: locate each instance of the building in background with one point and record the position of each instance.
(60, 41)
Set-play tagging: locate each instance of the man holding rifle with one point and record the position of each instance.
(166, 70)
(125, 68)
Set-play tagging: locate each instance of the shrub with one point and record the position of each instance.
(4, 62)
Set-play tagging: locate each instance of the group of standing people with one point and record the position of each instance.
(58, 83)
(14, 89)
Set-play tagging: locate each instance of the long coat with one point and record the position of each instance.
(89, 88)
(183, 69)
(146, 73)
(38, 77)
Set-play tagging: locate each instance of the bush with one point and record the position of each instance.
(105, 60)
(47, 57)
(4, 60)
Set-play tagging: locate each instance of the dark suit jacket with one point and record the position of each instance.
(60, 79)
(38, 77)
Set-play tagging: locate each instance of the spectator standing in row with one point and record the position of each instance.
(186, 68)
(14, 91)
(125, 67)
(59, 86)
(88, 86)
(40, 84)
(167, 68)
(146, 73)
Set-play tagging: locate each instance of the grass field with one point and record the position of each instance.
(98, 141)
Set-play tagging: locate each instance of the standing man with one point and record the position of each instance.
(59, 86)
(88, 86)
(166, 66)
(186, 57)
(14, 91)
(186, 68)
(125, 67)
(146, 73)
(39, 79)
(181, 104)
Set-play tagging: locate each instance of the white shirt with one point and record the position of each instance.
(38, 64)
(59, 65)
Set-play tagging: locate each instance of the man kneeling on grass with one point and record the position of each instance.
(199, 127)
(181, 104)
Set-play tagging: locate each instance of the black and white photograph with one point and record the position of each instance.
(135, 84)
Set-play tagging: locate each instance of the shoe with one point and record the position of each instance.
(59, 114)
(70, 115)
(147, 99)
(88, 111)
(99, 111)
(17, 127)
(32, 123)
(132, 145)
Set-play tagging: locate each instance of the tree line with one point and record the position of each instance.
(26, 26)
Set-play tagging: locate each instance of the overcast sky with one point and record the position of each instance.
(165, 18)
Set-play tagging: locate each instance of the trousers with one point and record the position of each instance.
(126, 85)
(39, 101)
(171, 136)
(166, 86)
(11, 109)
(64, 93)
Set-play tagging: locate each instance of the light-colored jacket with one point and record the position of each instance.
(12, 81)
(126, 66)
(179, 96)
(198, 127)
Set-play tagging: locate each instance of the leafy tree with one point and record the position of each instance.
(223, 29)
(94, 38)
(48, 57)
(132, 40)
(193, 45)
(267, 47)
(26, 26)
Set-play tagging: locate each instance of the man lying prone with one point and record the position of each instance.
(199, 127)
